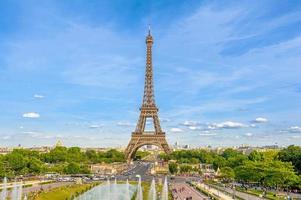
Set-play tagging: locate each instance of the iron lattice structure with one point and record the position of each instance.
(140, 137)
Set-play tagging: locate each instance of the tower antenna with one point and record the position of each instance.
(149, 29)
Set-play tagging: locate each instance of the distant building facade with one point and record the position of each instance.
(108, 169)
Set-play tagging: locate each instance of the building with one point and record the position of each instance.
(5, 150)
(177, 146)
(108, 169)
(159, 167)
(207, 170)
(96, 149)
(42, 149)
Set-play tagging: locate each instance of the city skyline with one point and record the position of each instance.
(75, 71)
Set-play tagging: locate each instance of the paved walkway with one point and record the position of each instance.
(24, 183)
(182, 191)
(214, 191)
(45, 187)
(240, 194)
(247, 196)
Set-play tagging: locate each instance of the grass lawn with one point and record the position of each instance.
(61, 193)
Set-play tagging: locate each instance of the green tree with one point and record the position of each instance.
(72, 168)
(56, 155)
(173, 168)
(164, 156)
(84, 169)
(227, 174)
(141, 154)
(228, 153)
(236, 160)
(58, 168)
(270, 155)
(255, 156)
(92, 156)
(2, 166)
(250, 172)
(274, 173)
(219, 162)
(35, 165)
(185, 169)
(292, 154)
(279, 173)
(74, 154)
(114, 156)
(16, 161)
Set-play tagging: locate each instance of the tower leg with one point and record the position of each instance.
(139, 140)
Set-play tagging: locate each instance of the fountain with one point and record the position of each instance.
(165, 190)
(19, 191)
(109, 191)
(114, 190)
(127, 190)
(139, 189)
(14, 192)
(152, 195)
(4, 189)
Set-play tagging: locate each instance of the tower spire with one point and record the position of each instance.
(148, 97)
(149, 29)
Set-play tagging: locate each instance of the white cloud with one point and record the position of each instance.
(189, 123)
(249, 134)
(207, 133)
(164, 120)
(31, 132)
(176, 130)
(41, 135)
(31, 115)
(295, 129)
(218, 104)
(95, 126)
(194, 128)
(6, 137)
(211, 127)
(124, 123)
(260, 120)
(226, 125)
(38, 96)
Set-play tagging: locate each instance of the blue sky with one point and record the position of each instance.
(226, 73)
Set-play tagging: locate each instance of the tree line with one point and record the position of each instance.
(62, 160)
(271, 168)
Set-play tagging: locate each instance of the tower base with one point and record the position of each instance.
(138, 140)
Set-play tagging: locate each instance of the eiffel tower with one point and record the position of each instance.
(140, 136)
